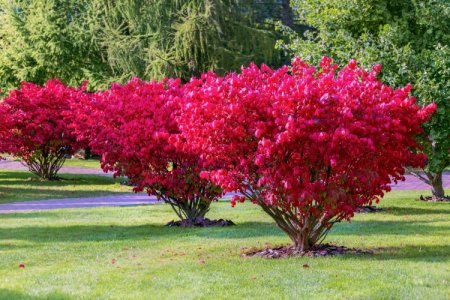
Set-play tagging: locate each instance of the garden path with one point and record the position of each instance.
(411, 183)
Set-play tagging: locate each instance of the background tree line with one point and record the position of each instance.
(112, 40)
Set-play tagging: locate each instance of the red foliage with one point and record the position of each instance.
(4, 124)
(133, 127)
(308, 145)
(34, 126)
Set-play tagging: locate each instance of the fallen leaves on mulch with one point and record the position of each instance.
(200, 222)
(368, 209)
(290, 251)
(431, 199)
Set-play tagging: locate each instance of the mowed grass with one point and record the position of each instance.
(23, 186)
(127, 253)
(83, 163)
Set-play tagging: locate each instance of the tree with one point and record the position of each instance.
(409, 38)
(105, 41)
(34, 126)
(308, 146)
(172, 38)
(133, 126)
(45, 39)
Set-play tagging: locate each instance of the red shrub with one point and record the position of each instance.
(134, 128)
(4, 120)
(35, 129)
(309, 146)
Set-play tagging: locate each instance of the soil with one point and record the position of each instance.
(290, 251)
(200, 222)
(368, 209)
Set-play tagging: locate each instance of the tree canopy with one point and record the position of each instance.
(410, 38)
(106, 41)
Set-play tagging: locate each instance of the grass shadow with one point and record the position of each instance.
(379, 227)
(24, 194)
(81, 233)
(9, 294)
(12, 179)
(425, 253)
(398, 211)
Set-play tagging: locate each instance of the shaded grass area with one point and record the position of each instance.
(127, 253)
(23, 186)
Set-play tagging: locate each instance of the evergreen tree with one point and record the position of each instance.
(112, 40)
(47, 39)
(154, 39)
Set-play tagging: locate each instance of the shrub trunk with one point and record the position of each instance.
(304, 231)
(45, 165)
(189, 209)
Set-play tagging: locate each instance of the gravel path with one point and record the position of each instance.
(411, 183)
(115, 200)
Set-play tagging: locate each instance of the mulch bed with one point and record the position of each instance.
(431, 199)
(290, 251)
(368, 209)
(200, 222)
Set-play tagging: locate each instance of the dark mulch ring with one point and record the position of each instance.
(290, 251)
(368, 209)
(200, 222)
(431, 199)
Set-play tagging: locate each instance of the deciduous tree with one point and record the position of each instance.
(410, 38)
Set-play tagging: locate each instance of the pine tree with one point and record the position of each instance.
(47, 39)
(112, 40)
(154, 39)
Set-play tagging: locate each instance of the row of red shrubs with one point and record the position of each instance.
(309, 145)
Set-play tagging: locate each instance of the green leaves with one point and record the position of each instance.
(410, 38)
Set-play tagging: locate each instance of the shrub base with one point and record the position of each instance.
(368, 209)
(200, 222)
(291, 251)
(434, 199)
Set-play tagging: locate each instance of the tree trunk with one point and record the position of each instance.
(287, 14)
(437, 188)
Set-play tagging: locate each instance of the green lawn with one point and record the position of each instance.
(69, 254)
(23, 186)
(83, 163)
